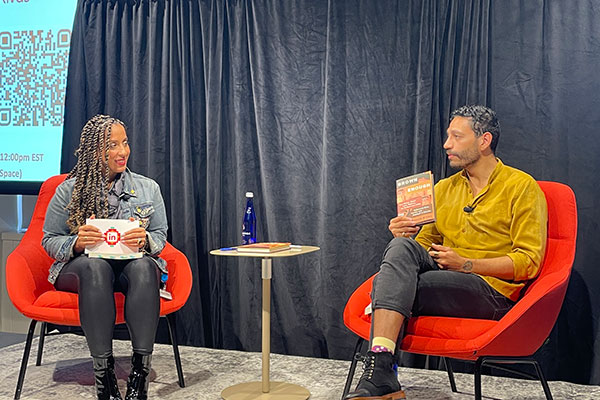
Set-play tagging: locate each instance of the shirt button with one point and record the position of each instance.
(464, 230)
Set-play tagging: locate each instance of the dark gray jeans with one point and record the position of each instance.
(411, 283)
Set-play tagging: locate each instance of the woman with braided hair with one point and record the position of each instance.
(101, 186)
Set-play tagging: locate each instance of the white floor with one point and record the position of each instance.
(66, 373)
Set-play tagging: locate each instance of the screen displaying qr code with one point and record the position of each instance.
(33, 73)
(35, 40)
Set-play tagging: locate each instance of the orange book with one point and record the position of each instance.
(414, 197)
(264, 247)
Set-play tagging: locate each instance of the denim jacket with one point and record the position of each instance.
(141, 200)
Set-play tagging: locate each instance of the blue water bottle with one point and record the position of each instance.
(249, 223)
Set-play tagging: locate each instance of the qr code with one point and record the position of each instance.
(33, 77)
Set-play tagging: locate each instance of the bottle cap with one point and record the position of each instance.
(249, 194)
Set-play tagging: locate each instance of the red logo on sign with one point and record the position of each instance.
(112, 236)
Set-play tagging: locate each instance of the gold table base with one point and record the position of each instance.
(266, 389)
(277, 391)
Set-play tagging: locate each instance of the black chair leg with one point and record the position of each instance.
(538, 369)
(43, 329)
(499, 362)
(450, 371)
(173, 336)
(352, 369)
(25, 359)
(477, 376)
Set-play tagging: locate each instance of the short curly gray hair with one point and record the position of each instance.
(483, 119)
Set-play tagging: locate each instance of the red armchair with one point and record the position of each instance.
(512, 339)
(36, 298)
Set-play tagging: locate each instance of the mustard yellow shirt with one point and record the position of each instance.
(509, 218)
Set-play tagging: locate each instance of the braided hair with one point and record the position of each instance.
(90, 194)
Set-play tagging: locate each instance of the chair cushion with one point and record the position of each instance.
(60, 299)
(445, 327)
(57, 299)
(449, 328)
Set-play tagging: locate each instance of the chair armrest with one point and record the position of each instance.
(179, 283)
(27, 274)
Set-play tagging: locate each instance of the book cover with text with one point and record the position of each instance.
(264, 247)
(414, 197)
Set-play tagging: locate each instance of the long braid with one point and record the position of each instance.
(90, 194)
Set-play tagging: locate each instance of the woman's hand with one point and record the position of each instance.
(87, 235)
(135, 238)
(403, 227)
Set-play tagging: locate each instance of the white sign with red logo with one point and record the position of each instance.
(112, 247)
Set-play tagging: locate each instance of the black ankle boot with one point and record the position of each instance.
(106, 381)
(379, 380)
(137, 383)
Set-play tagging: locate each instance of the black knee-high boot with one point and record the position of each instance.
(137, 383)
(106, 381)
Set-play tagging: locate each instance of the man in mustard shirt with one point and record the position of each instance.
(487, 242)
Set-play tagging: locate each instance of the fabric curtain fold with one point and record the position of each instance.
(318, 107)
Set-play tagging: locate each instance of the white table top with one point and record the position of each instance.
(284, 253)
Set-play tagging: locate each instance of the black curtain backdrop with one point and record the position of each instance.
(317, 107)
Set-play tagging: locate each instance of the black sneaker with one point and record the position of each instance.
(379, 380)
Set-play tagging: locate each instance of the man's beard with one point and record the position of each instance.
(465, 158)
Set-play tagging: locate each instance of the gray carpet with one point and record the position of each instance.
(66, 373)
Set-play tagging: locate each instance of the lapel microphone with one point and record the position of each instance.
(468, 209)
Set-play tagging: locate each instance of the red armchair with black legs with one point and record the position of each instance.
(514, 338)
(36, 298)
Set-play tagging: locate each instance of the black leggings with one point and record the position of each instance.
(95, 280)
